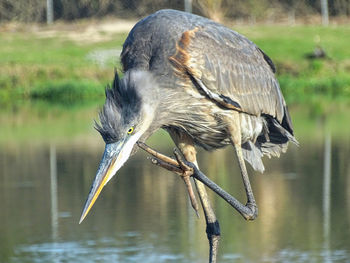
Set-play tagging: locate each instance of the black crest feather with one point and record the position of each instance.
(121, 105)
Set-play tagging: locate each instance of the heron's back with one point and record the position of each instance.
(208, 70)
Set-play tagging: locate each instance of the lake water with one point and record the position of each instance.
(143, 214)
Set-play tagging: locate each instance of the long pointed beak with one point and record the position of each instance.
(114, 156)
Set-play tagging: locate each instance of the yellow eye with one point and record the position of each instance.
(131, 130)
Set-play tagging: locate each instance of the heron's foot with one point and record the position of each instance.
(178, 166)
(251, 211)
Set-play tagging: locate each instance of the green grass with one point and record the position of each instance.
(58, 71)
(320, 84)
(32, 67)
(67, 92)
(291, 43)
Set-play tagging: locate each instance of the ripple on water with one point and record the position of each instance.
(104, 250)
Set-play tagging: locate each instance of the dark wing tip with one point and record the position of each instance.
(287, 121)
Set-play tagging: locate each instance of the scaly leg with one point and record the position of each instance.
(186, 146)
(250, 210)
(213, 227)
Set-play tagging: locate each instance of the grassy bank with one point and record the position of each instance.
(54, 68)
(319, 84)
(63, 71)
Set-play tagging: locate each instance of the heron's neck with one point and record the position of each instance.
(163, 104)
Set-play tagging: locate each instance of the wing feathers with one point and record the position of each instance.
(229, 69)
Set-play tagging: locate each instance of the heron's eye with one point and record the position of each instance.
(131, 130)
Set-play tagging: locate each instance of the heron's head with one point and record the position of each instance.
(127, 116)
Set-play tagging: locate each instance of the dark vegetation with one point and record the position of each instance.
(35, 10)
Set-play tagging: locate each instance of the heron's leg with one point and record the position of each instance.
(172, 165)
(250, 210)
(185, 168)
(186, 146)
(213, 227)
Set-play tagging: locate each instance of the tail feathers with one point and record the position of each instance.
(275, 143)
(273, 150)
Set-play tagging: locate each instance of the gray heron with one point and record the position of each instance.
(207, 86)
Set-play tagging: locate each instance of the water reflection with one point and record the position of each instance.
(53, 192)
(144, 215)
(327, 197)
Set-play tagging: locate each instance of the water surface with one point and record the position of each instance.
(143, 214)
